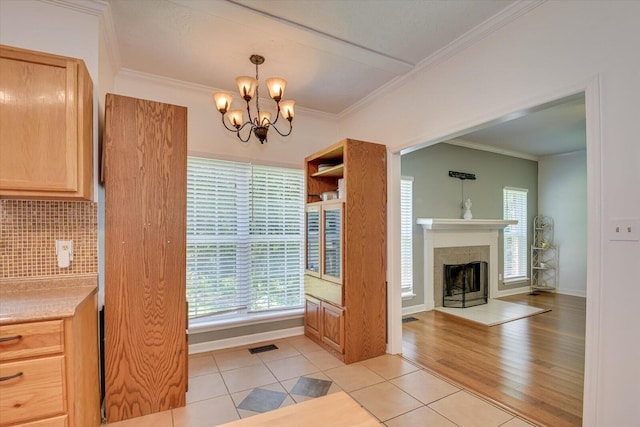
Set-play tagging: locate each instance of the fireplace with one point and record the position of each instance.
(465, 285)
(464, 237)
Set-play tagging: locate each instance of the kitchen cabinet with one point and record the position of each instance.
(145, 257)
(345, 275)
(49, 371)
(46, 136)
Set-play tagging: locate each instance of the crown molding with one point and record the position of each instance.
(208, 90)
(90, 7)
(108, 30)
(491, 149)
(471, 37)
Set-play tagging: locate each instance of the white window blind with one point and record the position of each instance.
(515, 236)
(244, 237)
(406, 234)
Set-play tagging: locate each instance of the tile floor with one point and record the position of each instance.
(230, 384)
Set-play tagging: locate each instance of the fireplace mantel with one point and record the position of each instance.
(463, 224)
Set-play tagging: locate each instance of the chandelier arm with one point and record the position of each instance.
(280, 133)
(238, 129)
(225, 125)
(277, 113)
(240, 137)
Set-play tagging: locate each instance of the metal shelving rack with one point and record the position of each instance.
(544, 255)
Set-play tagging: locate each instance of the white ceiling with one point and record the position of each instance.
(333, 53)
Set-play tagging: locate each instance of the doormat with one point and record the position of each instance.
(494, 312)
(262, 349)
(409, 319)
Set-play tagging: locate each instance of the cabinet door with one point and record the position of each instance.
(312, 222)
(332, 326)
(312, 318)
(47, 149)
(332, 244)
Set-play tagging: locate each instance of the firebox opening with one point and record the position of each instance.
(465, 285)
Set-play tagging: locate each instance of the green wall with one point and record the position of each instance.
(436, 195)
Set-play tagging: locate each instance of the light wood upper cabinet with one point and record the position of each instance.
(46, 126)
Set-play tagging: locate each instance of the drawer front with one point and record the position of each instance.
(38, 393)
(49, 422)
(31, 339)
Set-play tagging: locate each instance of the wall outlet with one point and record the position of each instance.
(624, 229)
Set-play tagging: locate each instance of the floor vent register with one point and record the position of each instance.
(262, 349)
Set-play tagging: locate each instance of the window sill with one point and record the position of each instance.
(212, 324)
(515, 281)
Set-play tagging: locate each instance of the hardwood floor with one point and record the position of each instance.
(532, 366)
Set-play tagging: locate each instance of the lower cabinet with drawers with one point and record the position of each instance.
(49, 371)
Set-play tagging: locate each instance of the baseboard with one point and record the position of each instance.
(573, 292)
(514, 291)
(413, 309)
(244, 340)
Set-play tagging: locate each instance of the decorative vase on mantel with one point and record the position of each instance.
(467, 209)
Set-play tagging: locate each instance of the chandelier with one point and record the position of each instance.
(260, 121)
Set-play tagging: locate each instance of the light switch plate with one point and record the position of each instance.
(624, 229)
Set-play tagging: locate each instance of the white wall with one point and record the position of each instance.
(562, 194)
(557, 49)
(206, 135)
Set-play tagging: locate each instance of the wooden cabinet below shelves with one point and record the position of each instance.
(324, 322)
(312, 317)
(46, 136)
(333, 326)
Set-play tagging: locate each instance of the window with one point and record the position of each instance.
(406, 235)
(515, 236)
(245, 238)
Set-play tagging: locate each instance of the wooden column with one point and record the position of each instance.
(145, 146)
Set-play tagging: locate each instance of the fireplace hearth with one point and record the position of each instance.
(465, 285)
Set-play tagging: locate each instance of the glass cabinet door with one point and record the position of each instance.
(312, 257)
(332, 243)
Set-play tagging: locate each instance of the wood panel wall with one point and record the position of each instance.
(145, 244)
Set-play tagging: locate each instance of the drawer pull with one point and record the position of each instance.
(15, 337)
(10, 377)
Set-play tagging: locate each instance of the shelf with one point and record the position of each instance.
(544, 277)
(333, 172)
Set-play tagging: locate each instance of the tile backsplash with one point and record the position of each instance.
(29, 229)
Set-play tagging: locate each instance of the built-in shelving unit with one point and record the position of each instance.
(345, 269)
(544, 255)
